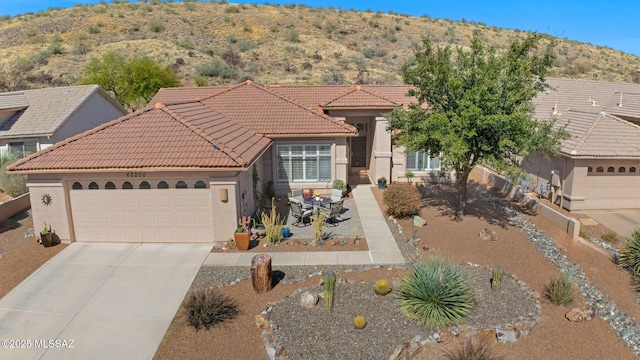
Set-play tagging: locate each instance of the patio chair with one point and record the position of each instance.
(300, 214)
(333, 212)
(296, 196)
(336, 195)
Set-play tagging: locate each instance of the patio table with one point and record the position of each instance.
(322, 201)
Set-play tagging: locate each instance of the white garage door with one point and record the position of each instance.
(612, 192)
(152, 215)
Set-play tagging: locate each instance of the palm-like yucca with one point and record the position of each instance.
(630, 254)
(437, 293)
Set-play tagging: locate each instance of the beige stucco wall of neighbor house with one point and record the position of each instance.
(56, 214)
(96, 110)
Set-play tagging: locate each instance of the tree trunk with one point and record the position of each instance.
(461, 185)
(261, 273)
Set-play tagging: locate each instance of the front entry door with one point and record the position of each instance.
(358, 153)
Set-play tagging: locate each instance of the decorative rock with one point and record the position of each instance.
(418, 221)
(308, 300)
(486, 234)
(486, 336)
(577, 314)
(444, 337)
(505, 336)
(261, 321)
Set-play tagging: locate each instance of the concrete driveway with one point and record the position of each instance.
(98, 301)
(622, 221)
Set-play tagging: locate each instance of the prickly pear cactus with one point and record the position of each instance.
(329, 285)
(360, 322)
(382, 287)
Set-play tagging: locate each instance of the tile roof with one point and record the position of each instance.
(591, 112)
(599, 135)
(13, 101)
(46, 109)
(183, 135)
(264, 111)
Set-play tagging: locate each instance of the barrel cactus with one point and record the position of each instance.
(360, 322)
(382, 287)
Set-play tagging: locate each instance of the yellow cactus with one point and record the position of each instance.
(382, 287)
(360, 322)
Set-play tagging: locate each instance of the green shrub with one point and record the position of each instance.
(217, 68)
(232, 9)
(630, 254)
(201, 81)
(402, 200)
(245, 45)
(436, 293)
(207, 308)
(11, 184)
(560, 291)
(470, 350)
(292, 36)
(339, 184)
(156, 25)
(94, 29)
(189, 6)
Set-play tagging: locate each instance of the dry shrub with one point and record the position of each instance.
(206, 308)
(402, 200)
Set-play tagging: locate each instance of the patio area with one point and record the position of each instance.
(348, 226)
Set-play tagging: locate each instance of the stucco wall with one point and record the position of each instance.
(96, 110)
(14, 206)
(56, 214)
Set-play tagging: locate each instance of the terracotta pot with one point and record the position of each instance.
(242, 240)
(46, 239)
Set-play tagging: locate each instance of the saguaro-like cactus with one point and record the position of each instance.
(329, 286)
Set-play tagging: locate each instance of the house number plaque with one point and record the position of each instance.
(136, 174)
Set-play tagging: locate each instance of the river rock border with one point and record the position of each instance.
(625, 326)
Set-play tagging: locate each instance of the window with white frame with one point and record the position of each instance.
(422, 161)
(303, 163)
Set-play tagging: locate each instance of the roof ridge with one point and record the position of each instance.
(287, 99)
(361, 88)
(224, 148)
(79, 136)
(587, 133)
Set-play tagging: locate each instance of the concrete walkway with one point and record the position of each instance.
(382, 246)
(622, 221)
(99, 301)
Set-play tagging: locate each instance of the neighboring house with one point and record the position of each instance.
(599, 166)
(182, 169)
(32, 120)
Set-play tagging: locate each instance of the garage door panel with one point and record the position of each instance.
(612, 192)
(153, 215)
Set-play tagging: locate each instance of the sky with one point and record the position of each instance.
(612, 23)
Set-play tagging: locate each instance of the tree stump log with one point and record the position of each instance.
(261, 273)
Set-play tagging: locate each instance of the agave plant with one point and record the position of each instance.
(630, 254)
(436, 293)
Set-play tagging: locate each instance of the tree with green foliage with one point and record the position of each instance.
(132, 83)
(11, 184)
(475, 106)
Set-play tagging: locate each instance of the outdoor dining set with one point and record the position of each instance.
(302, 208)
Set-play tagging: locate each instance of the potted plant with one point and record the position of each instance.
(241, 236)
(45, 236)
(382, 182)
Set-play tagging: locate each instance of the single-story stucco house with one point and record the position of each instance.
(599, 166)
(32, 120)
(182, 169)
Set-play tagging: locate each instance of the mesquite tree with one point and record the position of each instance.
(475, 106)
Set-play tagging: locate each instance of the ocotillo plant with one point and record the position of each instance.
(329, 285)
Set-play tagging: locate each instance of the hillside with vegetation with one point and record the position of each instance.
(221, 43)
